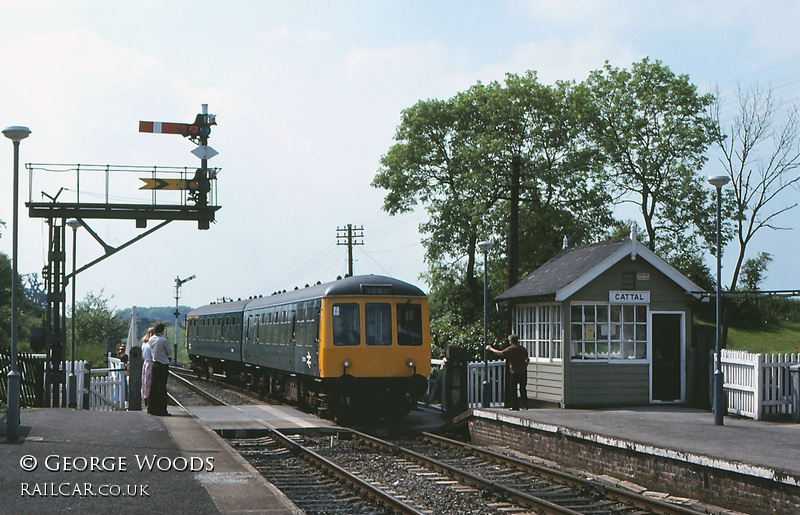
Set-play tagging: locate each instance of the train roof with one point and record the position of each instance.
(355, 285)
(219, 307)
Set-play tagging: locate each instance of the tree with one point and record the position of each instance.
(95, 323)
(34, 289)
(29, 314)
(652, 129)
(754, 271)
(761, 156)
(452, 157)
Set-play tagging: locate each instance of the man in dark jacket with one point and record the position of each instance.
(517, 358)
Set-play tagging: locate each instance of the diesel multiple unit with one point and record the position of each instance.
(359, 345)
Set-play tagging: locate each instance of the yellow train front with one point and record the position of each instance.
(357, 346)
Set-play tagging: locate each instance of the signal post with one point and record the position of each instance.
(197, 203)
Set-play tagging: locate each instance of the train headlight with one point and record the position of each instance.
(346, 364)
(410, 363)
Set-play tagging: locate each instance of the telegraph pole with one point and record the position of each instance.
(349, 236)
(513, 229)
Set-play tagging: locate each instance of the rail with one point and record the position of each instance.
(111, 185)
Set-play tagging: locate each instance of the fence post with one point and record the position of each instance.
(759, 386)
(87, 382)
(794, 370)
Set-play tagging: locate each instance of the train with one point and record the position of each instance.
(356, 346)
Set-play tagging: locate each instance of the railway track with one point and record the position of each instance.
(520, 482)
(429, 474)
(313, 483)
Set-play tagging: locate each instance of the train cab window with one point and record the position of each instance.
(409, 324)
(346, 324)
(378, 323)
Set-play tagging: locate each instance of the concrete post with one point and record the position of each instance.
(135, 363)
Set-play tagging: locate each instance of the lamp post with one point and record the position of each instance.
(15, 134)
(178, 283)
(718, 181)
(485, 246)
(72, 380)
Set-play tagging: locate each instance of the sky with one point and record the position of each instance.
(308, 96)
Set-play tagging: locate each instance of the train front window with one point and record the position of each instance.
(378, 324)
(409, 324)
(346, 324)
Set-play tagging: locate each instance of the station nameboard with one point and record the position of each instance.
(628, 297)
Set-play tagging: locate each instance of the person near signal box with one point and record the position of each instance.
(517, 358)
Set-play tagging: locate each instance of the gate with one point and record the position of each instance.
(109, 392)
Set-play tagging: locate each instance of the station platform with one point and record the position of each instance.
(245, 421)
(675, 444)
(141, 463)
(769, 449)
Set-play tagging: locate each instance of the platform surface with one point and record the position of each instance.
(250, 417)
(143, 464)
(762, 448)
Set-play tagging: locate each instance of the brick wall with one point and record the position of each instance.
(723, 488)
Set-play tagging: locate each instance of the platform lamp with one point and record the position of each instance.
(15, 134)
(718, 181)
(485, 246)
(72, 380)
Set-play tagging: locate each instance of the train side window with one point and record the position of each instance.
(346, 324)
(409, 324)
(378, 323)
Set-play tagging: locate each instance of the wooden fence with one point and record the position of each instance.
(758, 386)
(31, 371)
(97, 389)
(497, 381)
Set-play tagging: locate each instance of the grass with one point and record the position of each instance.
(781, 339)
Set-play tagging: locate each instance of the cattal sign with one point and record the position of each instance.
(628, 297)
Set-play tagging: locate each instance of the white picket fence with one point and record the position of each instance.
(104, 389)
(758, 386)
(497, 381)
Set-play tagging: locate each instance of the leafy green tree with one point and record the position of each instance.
(95, 323)
(652, 130)
(453, 157)
(29, 314)
(754, 271)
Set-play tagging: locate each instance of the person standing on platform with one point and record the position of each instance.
(517, 358)
(147, 365)
(161, 351)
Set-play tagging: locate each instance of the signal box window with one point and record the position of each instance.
(378, 323)
(346, 324)
(409, 324)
